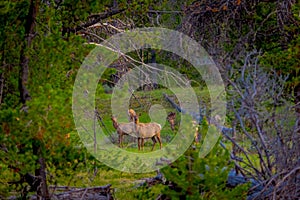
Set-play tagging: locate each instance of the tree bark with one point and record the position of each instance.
(42, 188)
(40, 173)
(297, 102)
(24, 58)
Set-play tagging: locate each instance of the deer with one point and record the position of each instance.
(123, 129)
(171, 119)
(147, 130)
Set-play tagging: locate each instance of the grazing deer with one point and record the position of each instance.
(147, 130)
(171, 119)
(123, 129)
(131, 114)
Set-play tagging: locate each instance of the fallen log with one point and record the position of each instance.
(196, 115)
(158, 179)
(98, 192)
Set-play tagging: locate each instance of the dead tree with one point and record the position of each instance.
(264, 117)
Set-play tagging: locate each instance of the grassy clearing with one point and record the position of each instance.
(142, 102)
(125, 184)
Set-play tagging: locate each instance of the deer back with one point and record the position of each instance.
(148, 130)
(128, 128)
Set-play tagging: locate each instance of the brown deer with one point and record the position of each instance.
(171, 119)
(124, 129)
(147, 130)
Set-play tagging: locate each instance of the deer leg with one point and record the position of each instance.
(122, 136)
(143, 140)
(159, 140)
(120, 140)
(139, 143)
(172, 125)
(154, 142)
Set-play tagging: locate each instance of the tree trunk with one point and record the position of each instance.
(24, 58)
(42, 188)
(297, 102)
(40, 173)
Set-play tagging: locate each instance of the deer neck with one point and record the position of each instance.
(136, 123)
(115, 124)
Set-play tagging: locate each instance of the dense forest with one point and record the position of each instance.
(254, 45)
